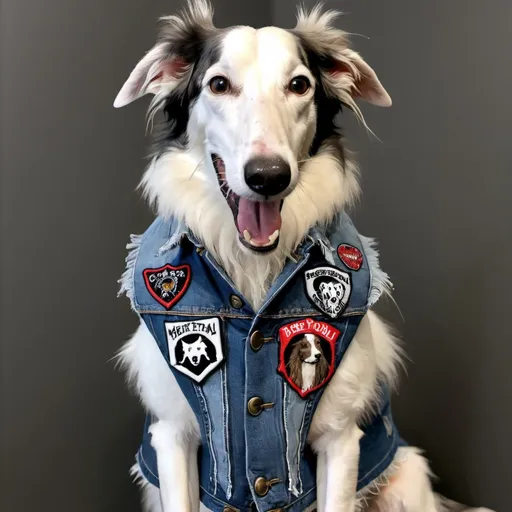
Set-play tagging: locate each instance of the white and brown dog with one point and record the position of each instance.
(307, 365)
(234, 96)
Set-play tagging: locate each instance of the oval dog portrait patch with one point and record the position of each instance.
(195, 347)
(306, 354)
(167, 284)
(351, 256)
(329, 289)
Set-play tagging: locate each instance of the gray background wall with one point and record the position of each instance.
(435, 193)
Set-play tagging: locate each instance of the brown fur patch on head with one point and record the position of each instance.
(295, 364)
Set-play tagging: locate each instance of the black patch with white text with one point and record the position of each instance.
(195, 347)
(329, 289)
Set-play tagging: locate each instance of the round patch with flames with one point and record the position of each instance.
(351, 256)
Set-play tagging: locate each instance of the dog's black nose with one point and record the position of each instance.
(267, 176)
(317, 356)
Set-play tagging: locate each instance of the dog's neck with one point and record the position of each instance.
(181, 186)
(308, 375)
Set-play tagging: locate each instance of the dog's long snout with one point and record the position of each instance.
(267, 176)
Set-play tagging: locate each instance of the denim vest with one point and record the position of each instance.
(255, 378)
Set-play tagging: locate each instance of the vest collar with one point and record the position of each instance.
(317, 235)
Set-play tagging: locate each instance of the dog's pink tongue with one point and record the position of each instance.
(260, 219)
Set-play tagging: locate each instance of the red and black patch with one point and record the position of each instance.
(351, 256)
(167, 284)
(307, 354)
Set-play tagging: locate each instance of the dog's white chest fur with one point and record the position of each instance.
(308, 375)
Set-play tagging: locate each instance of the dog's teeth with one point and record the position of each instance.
(273, 237)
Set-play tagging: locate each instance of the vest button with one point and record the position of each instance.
(228, 509)
(254, 406)
(236, 301)
(261, 486)
(257, 340)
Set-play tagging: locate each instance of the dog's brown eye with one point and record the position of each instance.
(219, 85)
(299, 85)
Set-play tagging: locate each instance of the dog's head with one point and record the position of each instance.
(331, 292)
(194, 351)
(252, 107)
(309, 349)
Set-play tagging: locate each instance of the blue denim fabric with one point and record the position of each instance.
(237, 448)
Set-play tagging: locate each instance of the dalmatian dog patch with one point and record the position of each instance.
(329, 289)
(195, 347)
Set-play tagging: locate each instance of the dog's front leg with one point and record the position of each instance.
(338, 461)
(173, 450)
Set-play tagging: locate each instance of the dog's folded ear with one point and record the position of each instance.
(169, 63)
(343, 72)
(347, 71)
(157, 73)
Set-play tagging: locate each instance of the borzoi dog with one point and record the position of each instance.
(249, 162)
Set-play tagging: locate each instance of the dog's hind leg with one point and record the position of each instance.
(409, 488)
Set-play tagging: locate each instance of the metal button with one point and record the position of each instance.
(236, 301)
(254, 406)
(261, 486)
(257, 340)
(277, 510)
(229, 509)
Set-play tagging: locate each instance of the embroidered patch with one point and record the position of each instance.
(306, 354)
(167, 284)
(195, 347)
(329, 289)
(351, 256)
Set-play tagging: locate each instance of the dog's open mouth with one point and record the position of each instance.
(258, 222)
